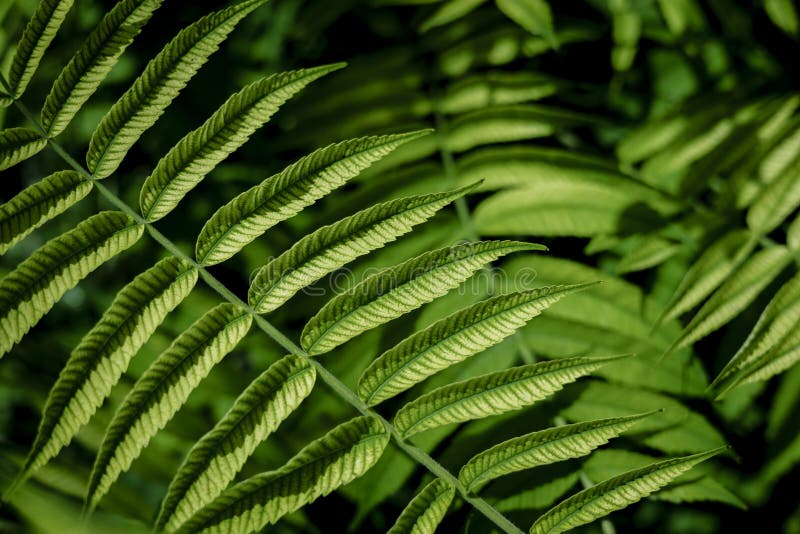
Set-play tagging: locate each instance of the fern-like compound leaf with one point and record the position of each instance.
(215, 460)
(708, 272)
(284, 195)
(163, 389)
(162, 80)
(188, 162)
(93, 61)
(542, 448)
(615, 493)
(454, 339)
(28, 292)
(399, 290)
(38, 34)
(493, 394)
(97, 363)
(335, 245)
(340, 456)
(779, 319)
(736, 293)
(426, 510)
(18, 144)
(39, 203)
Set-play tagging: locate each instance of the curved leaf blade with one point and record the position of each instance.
(493, 393)
(93, 61)
(542, 448)
(333, 246)
(162, 80)
(342, 455)
(18, 144)
(188, 162)
(426, 510)
(398, 290)
(284, 195)
(163, 389)
(38, 34)
(39, 203)
(215, 460)
(615, 493)
(28, 292)
(102, 356)
(454, 339)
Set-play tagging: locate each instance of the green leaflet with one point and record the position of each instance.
(426, 510)
(340, 456)
(708, 272)
(284, 195)
(28, 292)
(18, 144)
(162, 80)
(93, 61)
(779, 319)
(533, 15)
(188, 162)
(102, 356)
(454, 339)
(647, 252)
(215, 460)
(776, 202)
(495, 87)
(39, 203)
(333, 246)
(542, 448)
(616, 493)
(539, 497)
(398, 290)
(779, 358)
(163, 389)
(783, 14)
(736, 293)
(41, 29)
(449, 11)
(493, 394)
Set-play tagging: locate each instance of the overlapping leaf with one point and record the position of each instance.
(39, 203)
(163, 78)
(493, 394)
(426, 510)
(29, 291)
(342, 455)
(335, 245)
(398, 290)
(454, 339)
(218, 456)
(93, 61)
(188, 162)
(103, 354)
(163, 389)
(18, 144)
(285, 194)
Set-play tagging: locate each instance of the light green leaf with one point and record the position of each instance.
(616, 493)
(533, 15)
(542, 448)
(162, 390)
(647, 253)
(449, 11)
(340, 456)
(398, 290)
(28, 292)
(284, 195)
(102, 356)
(18, 144)
(162, 80)
(215, 460)
(738, 291)
(493, 393)
(783, 14)
(776, 201)
(188, 162)
(333, 246)
(39, 203)
(93, 61)
(426, 510)
(38, 34)
(710, 270)
(540, 496)
(480, 90)
(453, 339)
